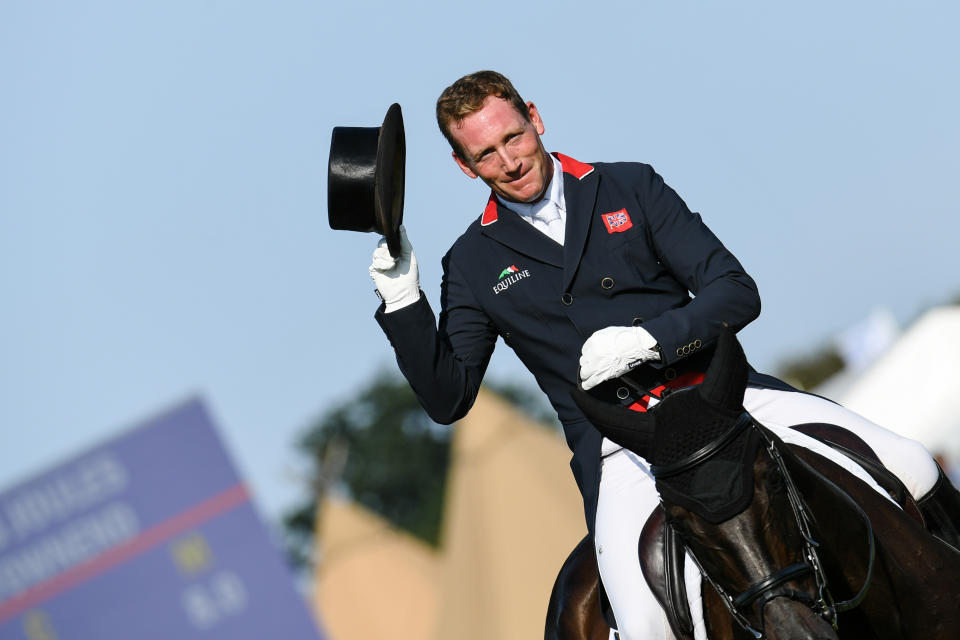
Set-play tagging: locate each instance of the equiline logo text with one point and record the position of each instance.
(508, 277)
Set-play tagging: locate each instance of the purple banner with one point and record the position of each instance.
(151, 535)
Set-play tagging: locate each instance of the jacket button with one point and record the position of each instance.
(637, 321)
(669, 373)
(607, 283)
(679, 351)
(697, 343)
(566, 299)
(623, 393)
(506, 336)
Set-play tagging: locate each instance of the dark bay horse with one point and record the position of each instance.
(791, 544)
(574, 610)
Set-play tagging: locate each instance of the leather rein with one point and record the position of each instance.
(823, 604)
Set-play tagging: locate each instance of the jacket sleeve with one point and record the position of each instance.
(443, 363)
(723, 292)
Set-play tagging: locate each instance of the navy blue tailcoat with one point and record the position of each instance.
(633, 253)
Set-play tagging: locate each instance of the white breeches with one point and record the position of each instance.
(628, 495)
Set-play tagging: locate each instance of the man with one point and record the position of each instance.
(585, 271)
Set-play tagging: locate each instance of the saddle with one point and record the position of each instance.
(662, 552)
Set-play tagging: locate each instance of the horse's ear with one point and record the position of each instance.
(630, 429)
(726, 377)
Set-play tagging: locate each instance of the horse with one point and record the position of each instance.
(574, 611)
(790, 544)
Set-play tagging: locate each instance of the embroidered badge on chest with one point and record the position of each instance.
(509, 277)
(617, 221)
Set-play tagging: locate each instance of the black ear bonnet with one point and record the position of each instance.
(721, 486)
(689, 420)
(682, 424)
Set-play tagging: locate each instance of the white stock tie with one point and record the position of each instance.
(550, 222)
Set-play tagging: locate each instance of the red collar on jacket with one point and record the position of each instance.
(577, 169)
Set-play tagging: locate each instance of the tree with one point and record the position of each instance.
(383, 450)
(530, 401)
(806, 372)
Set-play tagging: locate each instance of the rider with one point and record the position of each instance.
(596, 260)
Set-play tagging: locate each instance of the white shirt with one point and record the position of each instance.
(552, 200)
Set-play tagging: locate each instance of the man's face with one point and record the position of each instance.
(503, 149)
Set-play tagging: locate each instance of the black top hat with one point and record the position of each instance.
(365, 178)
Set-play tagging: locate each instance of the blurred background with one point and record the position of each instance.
(163, 230)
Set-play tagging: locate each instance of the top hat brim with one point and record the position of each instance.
(389, 181)
(365, 178)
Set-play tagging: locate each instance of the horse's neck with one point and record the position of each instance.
(828, 490)
(915, 575)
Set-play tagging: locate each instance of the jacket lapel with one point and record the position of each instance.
(518, 234)
(580, 182)
(580, 194)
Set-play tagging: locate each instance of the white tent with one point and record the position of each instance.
(914, 388)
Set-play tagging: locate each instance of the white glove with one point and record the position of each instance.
(397, 279)
(613, 351)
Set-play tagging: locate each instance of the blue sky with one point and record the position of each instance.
(163, 223)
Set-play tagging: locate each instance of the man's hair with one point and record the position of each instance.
(466, 96)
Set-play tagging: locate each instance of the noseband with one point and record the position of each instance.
(823, 604)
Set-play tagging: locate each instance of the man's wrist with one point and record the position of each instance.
(400, 302)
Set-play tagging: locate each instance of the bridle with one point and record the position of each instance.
(822, 604)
